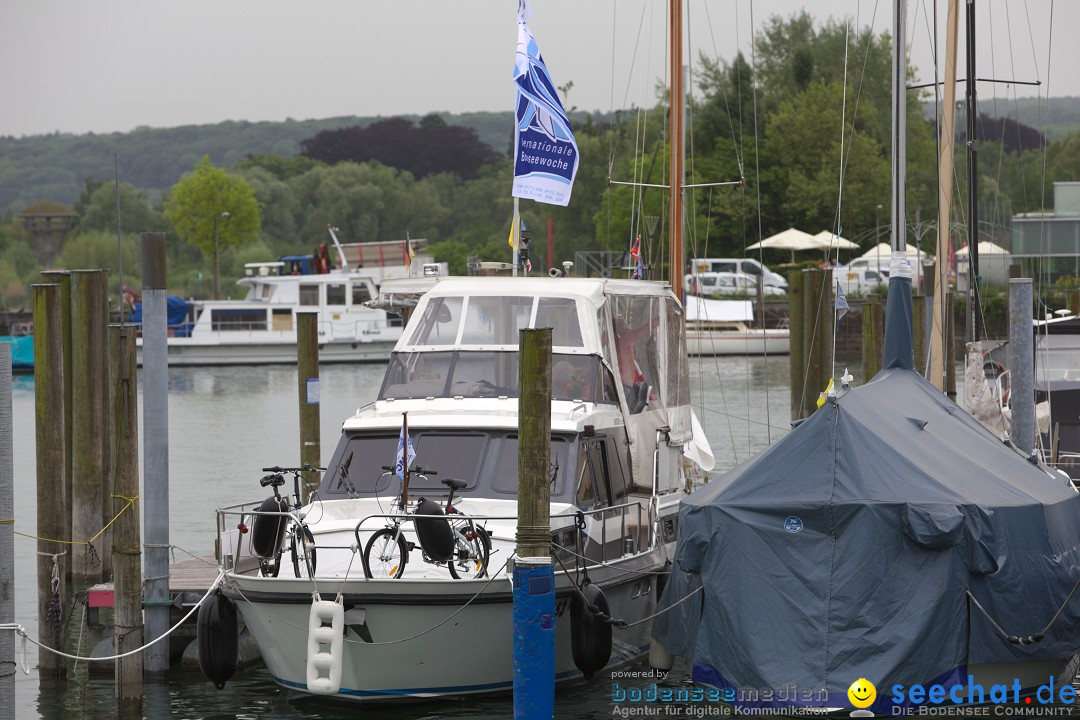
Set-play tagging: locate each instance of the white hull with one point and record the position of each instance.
(468, 653)
(738, 342)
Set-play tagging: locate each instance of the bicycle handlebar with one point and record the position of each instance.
(305, 468)
(417, 470)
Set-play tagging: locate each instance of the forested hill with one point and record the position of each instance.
(55, 167)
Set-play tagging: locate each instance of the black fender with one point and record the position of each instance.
(268, 531)
(590, 637)
(436, 537)
(218, 638)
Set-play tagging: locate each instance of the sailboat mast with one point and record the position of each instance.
(675, 130)
(935, 372)
(899, 134)
(974, 322)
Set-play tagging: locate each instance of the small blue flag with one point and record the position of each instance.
(403, 440)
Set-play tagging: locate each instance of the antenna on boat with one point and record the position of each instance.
(340, 251)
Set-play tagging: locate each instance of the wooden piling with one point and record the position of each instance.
(795, 327)
(818, 321)
(873, 333)
(307, 373)
(127, 544)
(88, 320)
(534, 445)
(7, 539)
(63, 279)
(1074, 302)
(52, 558)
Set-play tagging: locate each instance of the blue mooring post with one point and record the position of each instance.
(534, 576)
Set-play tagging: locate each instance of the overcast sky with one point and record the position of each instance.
(113, 65)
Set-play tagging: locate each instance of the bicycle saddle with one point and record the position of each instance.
(454, 483)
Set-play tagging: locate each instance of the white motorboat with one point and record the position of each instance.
(261, 328)
(411, 629)
(725, 327)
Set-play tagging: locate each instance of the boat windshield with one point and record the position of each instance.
(495, 320)
(485, 459)
(487, 374)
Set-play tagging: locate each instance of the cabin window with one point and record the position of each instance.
(360, 293)
(677, 391)
(637, 322)
(451, 455)
(602, 476)
(439, 323)
(281, 319)
(309, 294)
(559, 314)
(335, 294)
(267, 291)
(506, 467)
(495, 320)
(239, 319)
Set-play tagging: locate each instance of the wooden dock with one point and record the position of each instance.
(188, 582)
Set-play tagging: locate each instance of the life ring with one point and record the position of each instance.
(218, 639)
(590, 637)
(267, 531)
(998, 376)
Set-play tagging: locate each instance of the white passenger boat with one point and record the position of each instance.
(261, 328)
(621, 429)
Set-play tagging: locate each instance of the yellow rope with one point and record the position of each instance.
(7, 521)
(130, 502)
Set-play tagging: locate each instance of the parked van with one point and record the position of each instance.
(748, 266)
(710, 284)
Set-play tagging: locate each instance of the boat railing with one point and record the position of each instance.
(637, 526)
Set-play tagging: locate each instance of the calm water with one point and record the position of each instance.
(227, 423)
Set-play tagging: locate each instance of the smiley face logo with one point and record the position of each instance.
(862, 693)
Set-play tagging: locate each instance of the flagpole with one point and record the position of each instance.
(405, 457)
(515, 231)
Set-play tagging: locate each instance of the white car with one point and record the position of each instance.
(744, 266)
(858, 280)
(708, 284)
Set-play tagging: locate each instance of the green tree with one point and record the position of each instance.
(212, 209)
(98, 210)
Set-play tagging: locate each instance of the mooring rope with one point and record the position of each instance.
(1030, 639)
(21, 631)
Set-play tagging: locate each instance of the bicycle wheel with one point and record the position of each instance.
(303, 553)
(472, 551)
(385, 554)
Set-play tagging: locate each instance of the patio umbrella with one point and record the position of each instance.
(790, 239)
(985, 248)
(827, 241)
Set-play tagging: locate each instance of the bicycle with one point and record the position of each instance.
(457, 542)
(268, 531)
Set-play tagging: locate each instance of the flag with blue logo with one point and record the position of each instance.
(404, 441)
(545, 152)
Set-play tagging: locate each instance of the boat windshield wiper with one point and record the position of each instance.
(344, 480)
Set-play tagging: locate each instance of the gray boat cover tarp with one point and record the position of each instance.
(845, 550)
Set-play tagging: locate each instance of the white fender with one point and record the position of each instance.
(326, 624)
